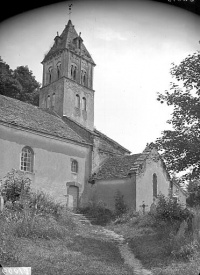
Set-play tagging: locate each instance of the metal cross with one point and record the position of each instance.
(70, 10)
(143, 207)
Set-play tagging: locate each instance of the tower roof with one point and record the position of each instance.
(67, 41)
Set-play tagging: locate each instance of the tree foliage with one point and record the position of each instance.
(181, 145)
(194, 193)
(19, 83)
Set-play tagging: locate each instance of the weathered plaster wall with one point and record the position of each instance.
(105, 190)
(144, 182)
(52, 160)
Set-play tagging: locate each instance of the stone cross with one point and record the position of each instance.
(143, 207)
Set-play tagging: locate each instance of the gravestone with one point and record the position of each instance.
(153, 208)
(181, 232)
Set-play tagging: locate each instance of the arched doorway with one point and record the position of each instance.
(73, 194)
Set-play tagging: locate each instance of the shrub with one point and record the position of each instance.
(169, 210)
(44, 204)
(129, 217)
(14, 185)
(97, 213)
(120, 206)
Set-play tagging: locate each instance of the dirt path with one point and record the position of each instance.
(105, 234)
(128, 257)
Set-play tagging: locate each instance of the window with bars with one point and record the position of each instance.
(74, 166)
(27, 157)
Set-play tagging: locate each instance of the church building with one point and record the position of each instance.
(57, 146)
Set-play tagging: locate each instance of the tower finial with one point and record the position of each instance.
(70, 10)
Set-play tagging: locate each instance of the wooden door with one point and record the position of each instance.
(73, 197)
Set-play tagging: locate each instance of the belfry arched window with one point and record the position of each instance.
(27, 158)
(84, 103)
(48, 101)
(50, 74)
(73, 72)
(58, 70)
(78, 101)
(155, 186)
(74, 166)
(83, 77)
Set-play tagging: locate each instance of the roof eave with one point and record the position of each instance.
(42, 133)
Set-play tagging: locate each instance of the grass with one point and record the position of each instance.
(156, 246)
(55, 243)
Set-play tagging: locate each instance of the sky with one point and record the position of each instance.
(133, 44)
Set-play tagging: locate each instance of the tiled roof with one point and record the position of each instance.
(31, 117)
(117, 167)
(109, 145)
(105, 143)
(66, 42)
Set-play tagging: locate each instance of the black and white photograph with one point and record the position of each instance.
(100, 138)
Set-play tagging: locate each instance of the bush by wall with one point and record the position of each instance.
(120, 206)
(169, 210)
(14, 185)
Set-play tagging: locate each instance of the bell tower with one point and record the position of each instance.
(67, 86)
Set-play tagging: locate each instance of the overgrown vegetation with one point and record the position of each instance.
(28, 214)
(96, 212)
(99, 214)
(36, 231)
(167, 241)
(167, 209)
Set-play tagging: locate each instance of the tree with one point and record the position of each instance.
(30, 87)
(9, 86)
(19, 84)
(180, 146)
(194, 193)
